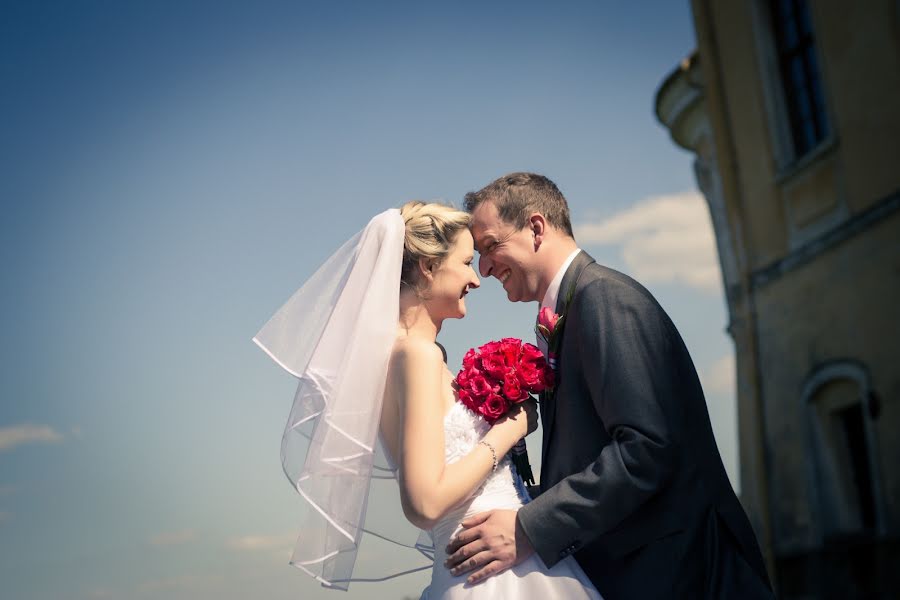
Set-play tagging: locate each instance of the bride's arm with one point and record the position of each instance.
(429, 488)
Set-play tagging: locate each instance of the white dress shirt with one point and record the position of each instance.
(552, 294)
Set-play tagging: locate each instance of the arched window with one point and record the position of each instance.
(846, 482)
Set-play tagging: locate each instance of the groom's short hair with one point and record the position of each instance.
(518, 195)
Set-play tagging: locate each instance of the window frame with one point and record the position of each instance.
(856, 374)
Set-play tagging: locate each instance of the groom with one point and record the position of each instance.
(632, 483)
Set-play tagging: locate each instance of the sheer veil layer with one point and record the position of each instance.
(335, 335)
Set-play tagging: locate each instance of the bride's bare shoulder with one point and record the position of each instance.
(414, 351)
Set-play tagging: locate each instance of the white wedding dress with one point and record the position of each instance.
(530, 580)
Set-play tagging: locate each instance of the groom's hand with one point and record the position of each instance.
(490, 542)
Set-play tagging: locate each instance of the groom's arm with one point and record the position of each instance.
(627, 346)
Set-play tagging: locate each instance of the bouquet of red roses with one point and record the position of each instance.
(499, 375)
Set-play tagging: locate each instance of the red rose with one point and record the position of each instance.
(512, 388)
(490, 348)
(465, 397)
(531, 372)
(494, 365)
(480, 387)
(465, 375)
(493, 408)
(531, 369)
(531, 353)
(510, 349)
(469, 359)
(549, 378)
(530, 377)
(462, 379)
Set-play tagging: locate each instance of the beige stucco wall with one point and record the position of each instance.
(842, 306)
(744, 114)
(860, 47)
(864, 157)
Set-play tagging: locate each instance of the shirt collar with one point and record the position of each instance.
(552, 294)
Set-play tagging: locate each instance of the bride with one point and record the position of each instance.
(367, 378)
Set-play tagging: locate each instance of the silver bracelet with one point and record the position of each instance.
(493, 453)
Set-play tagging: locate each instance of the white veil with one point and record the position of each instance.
(335, 335)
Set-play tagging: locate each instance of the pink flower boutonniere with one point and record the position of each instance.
(548, 322)
(549, 326)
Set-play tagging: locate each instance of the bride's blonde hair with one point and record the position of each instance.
(431, 228)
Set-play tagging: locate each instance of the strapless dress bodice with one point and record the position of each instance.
(502, 489)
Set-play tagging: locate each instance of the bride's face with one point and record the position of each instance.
(453, 279)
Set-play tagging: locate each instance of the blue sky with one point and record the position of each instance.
(174, 170)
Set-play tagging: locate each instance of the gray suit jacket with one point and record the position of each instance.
(632, 482)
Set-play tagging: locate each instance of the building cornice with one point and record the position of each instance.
(828, 240)
(679, 101)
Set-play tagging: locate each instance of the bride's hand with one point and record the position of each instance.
(530, 407)
(518, 422)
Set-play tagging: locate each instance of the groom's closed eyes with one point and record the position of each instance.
(488, 245)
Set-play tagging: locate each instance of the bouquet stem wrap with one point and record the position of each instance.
(520, 461)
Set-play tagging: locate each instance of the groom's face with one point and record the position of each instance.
(505, 253)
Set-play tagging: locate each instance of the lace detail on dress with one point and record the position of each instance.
(462, 431)
(529, 580)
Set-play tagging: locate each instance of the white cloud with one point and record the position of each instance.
(663, 239)
(173, 538)
(4, 516)
(260, 542)
(720, 376)
(19, 435)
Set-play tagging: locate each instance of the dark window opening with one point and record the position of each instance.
(795, 45)
(851, 419)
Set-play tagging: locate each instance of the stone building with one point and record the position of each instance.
(792, 108)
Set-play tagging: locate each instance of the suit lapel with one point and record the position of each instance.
(548, 405)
